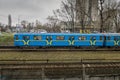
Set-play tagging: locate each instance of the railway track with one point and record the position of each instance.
(52, 49)
(52, 70)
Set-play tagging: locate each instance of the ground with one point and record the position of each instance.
(59, 55)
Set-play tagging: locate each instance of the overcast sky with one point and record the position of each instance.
(29, 10)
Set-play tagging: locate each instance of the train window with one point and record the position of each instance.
(93, 38)
(105, 38)
(71, 38)
(60, 37)
(49, 38)
(37, 37)
(79, 38)
(26, 37)
(116, 38)
(101, 38)
(82, 38)
(109, 38)
(16, 37)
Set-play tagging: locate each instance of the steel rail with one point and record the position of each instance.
(13, 48)
(53, 50)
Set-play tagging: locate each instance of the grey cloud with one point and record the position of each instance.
(35, 9)
(20, 5)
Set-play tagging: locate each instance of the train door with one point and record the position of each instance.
(26, 39)
(116, 41)
(71, 39)
(49, 39)
(93, 40)
(104, 41)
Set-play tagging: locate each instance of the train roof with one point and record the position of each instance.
(57, 34)
(106, 34)
(112, 34)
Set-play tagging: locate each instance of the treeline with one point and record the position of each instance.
(82, 13)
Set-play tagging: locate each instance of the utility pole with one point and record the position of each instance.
(9, 21)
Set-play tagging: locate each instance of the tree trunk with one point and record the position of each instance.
(101, 15)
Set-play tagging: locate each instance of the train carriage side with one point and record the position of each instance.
(21, 39)
(30, 39)
(37, 40)
(81, 40)
(88, 40)
(40, 40)
(60, 39)
(112, 40)
(99, 40)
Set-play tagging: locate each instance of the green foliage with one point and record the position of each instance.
(6, 39)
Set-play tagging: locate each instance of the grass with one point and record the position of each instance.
(6, 39)
(58, 55)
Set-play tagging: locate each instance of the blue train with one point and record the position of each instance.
(66, 39)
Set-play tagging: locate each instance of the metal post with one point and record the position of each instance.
(90, 77)
(1, 74)
(119, 77)
(114, 77)
(83, 71)
(43, 74)
(102, 78)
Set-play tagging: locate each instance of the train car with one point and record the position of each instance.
(112, 40)
(29, 39)
(88, 40)
(58, 39)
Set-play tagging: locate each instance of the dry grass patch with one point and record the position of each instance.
(58, 55)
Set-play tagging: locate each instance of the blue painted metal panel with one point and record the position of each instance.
(19, 43)
(99, 43)
(66, 41)
(109, 43)
(82, 43)
(60, 43)
(37, 43)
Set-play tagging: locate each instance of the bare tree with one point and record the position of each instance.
(112, 15)
(117, 22)
(75, 13)
(109, 14)
(101, 8)
(67, 13)
(81, 13)
(30, 26)
(116, 16)
(53, 23)
(90, 11)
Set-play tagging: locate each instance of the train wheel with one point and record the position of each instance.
(93, 47)
(116, 48)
